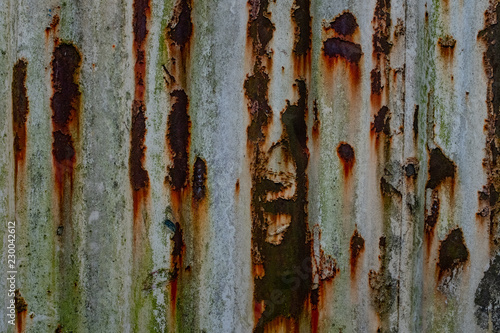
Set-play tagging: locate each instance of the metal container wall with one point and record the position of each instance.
(267, 166)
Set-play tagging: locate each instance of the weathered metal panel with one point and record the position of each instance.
(268, 166)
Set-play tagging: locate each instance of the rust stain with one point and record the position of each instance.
(260, 27)
(447, 47)
(139, 177)
(453, 253)
(415, 123)
(440, 168)
(337, 47)
(20, 111)
(180, 27)
(381, 49)
(256, 90)
(381, 26)
(344, 24)
(316, 122)
(346, 154)
(357, 247)
(340, 52)
(178, 138)
(52, 28)
(176, 266)
(314, 299)
(21, 308)
(199, 179)
(376, 81)
(491, 36)
(431, 219)
(302, 20)
(381, 122)
(65, 104)
(293, 252)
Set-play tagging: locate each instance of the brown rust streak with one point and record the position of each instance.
(65, 104)
(381, 49)
(187, 197)
(20, 111)
(356, 248)
(491, 36)
(21, 308)
(139, 177)
(179, 138)
(340, 49)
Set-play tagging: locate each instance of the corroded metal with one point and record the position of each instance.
(265, 166)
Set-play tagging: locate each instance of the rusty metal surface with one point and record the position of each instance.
(266, 166)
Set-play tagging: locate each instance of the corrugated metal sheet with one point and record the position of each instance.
(268, 166)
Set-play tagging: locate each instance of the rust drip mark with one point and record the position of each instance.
(382, 25)
(199, 179)
(384, 288)
(453, 253)
(21, 308)
(179, 137)
(447, 47)
(177, 253)
(180, 27)
(282, 292)
(381, 122)
(53, 24)
(260, 27)
(302, 19)
(139, 177)
(440, 168)
(65, 104)
(447, 41)
(346, 154)
(487, 297)
(336, 47)
(20, 110)
(256, 89)
(344, 24)
(357, 246)
(376, 81)
(491, 36)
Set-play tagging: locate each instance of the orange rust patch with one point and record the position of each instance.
(346, 154)
(357, 246)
